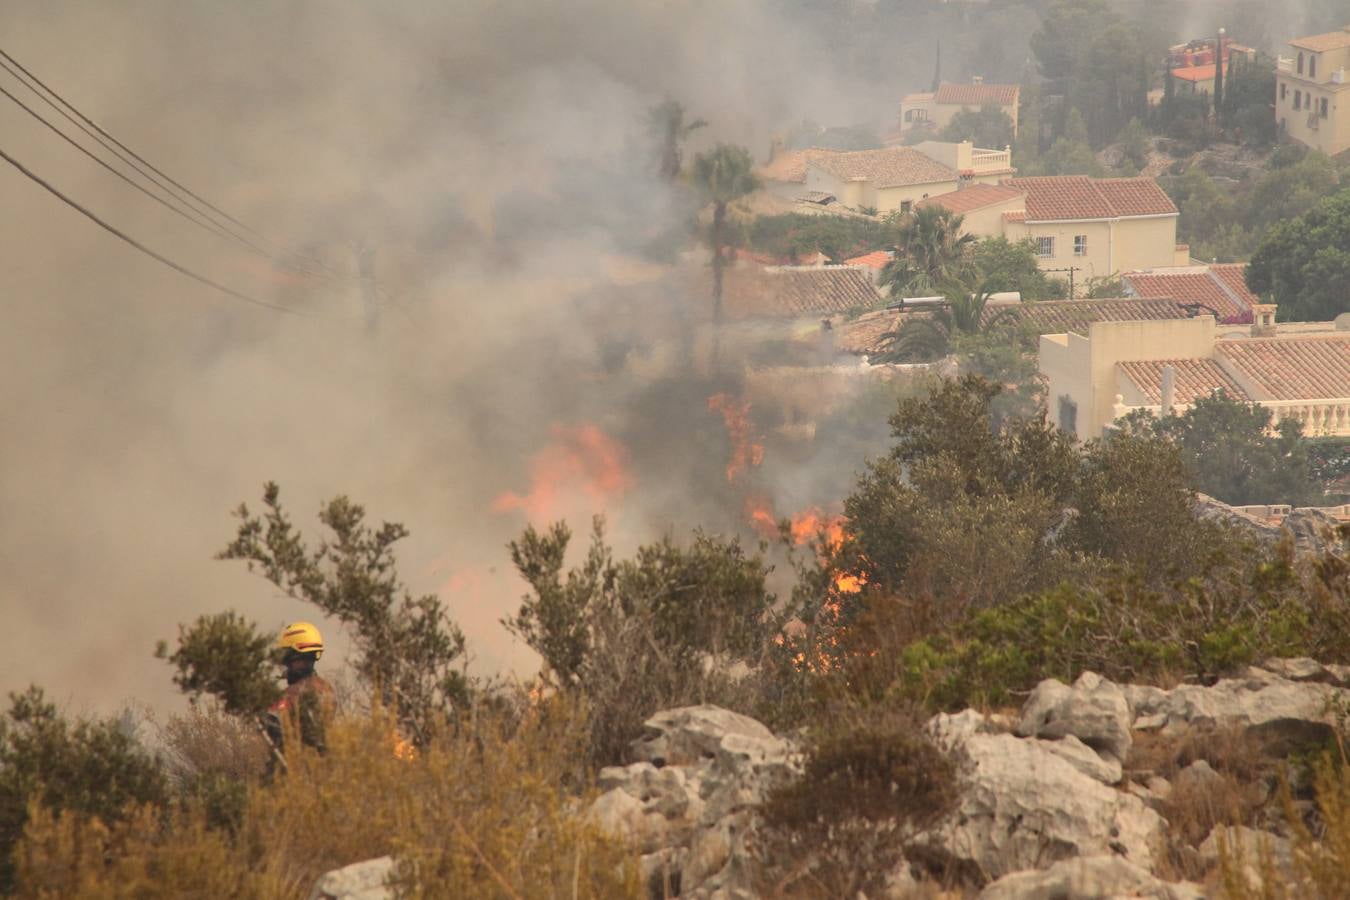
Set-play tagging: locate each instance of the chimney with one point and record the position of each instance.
(1169, 389)
(1263, 319)
(977, 79)
(776, 146)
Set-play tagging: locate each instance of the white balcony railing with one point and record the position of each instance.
(990, 160)
(1319, 418)
(1284, 64)
(1338, 76)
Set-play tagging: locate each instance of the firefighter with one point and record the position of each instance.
(308, 699)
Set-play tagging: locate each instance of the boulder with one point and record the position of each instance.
(1284, 714)
(1089, 878)
(691, 734)
(1024, 805)
(689, 803)
(1107, 770)
(1143, 699)
(1093, 710)
(359, 881)
(1304, 669)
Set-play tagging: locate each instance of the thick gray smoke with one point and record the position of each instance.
(493, 156)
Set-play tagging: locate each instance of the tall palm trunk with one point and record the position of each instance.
(719, 260)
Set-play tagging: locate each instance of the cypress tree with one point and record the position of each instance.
(1218, 81)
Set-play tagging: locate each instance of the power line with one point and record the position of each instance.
(137, 244)
(211, 226)
(99, 134)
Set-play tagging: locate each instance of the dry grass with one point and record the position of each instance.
(1235, 795)
(478, 812)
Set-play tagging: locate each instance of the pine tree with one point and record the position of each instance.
(1218, 81)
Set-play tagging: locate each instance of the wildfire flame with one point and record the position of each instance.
(803, 527)
(579, 460)
(746, 452)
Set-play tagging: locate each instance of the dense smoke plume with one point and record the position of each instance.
(493, 156)
(493, 159)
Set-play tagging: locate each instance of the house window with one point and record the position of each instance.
(1068, 414)
(1284, 90)
(1045, 246)
(1324, 107)
(1300, 63)
(1312, 67)
(1080, 245)
(1298, 100)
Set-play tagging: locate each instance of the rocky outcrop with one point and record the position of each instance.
(1024, 804)
(1279, 712)
(1309, 526)
(359, 881)
(1093, 710)
(690, 800)
(1089, 878)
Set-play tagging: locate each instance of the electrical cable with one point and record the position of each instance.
(137, 244)
(210, 226)
(99, 134)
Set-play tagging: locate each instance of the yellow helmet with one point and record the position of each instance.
(301, 637)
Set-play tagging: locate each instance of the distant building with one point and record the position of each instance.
(1193, 64)
(1098, 227)
(1219, 290)
(936, 109)
(1100, 373)
(1312, 91)
(895, 178)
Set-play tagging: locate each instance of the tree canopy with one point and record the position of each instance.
(1304, 264)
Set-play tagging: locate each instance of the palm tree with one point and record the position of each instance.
(930, 251)
(667, 123)
(932, 337)
(724, 175)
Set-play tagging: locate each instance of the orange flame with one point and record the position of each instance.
(746, 452)
(582, 460)
(403, 748)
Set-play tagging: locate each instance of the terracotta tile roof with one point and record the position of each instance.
(1234, 277)
(863, 335)
(1195, 73)
(888, 167)
(790, 291)
(1320, 43)
(976, 196)
(1055, 316)
(1192, 285)
(1053, 197)
(790, 165)
(1019, 215)
(877, 259)
(1293, 368)
(977, 94)
(1194, 378)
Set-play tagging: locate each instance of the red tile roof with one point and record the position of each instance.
(977, 94)
(1194, 73)
(790, 165)
(1057, 197)
(976, 196)
(888, 167)
(1221, 288)
(1293, 368)
(1234, 277)
(877, 259)
(791, 291)
(1320, 43)
(1194, 378)
(1055, 316)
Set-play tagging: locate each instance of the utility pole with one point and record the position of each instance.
(1070, 270)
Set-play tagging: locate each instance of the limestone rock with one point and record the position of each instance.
(691, 734)
(1093, 710)
(1089, 878)
(1264, 704)
(1107, 769)
(1023, 805)
(359, 881)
